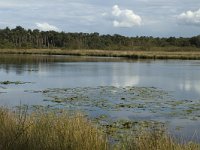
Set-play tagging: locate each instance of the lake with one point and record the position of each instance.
(109, 90)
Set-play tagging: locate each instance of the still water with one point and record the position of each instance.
(179, 78)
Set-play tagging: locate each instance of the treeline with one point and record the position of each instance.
(22, 38)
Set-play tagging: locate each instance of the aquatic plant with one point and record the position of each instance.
(13, 82)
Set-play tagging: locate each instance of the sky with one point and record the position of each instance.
(157, 18)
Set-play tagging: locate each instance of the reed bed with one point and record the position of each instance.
(48, 130)
(40, 130)
(155, 140)
(155, 53)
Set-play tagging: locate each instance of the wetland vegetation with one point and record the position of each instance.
(12, 82)
(43, 129)
(59, 126)
(156, 53)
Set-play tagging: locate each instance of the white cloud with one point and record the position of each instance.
(190, 17)
(104, 14)
(46, 27)
(125, 18)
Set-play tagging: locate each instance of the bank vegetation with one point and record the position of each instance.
(52, 130)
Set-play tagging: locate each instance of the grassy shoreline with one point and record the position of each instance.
(59, 130)
(157, 53)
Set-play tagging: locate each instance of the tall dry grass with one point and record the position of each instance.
(155, 140)
(50, 130)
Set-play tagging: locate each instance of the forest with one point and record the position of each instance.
(20, 38)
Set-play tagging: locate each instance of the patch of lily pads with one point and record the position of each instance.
(149, 100)
(120, 128)
(13, 82)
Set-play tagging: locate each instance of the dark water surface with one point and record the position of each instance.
(180, 79)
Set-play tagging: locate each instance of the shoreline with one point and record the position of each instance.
(139, 54)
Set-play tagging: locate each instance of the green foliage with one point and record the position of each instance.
(22, 38)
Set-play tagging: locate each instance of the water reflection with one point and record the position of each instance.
(180, 77)
(189, 86)
(24, 63)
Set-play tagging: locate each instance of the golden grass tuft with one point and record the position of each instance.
(155, 140)
(39, 131)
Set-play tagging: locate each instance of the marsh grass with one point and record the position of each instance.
(48, 130)
(54, 130)
(136, 52)
(155, 140)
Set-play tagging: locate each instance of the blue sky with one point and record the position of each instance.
(127, 17)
